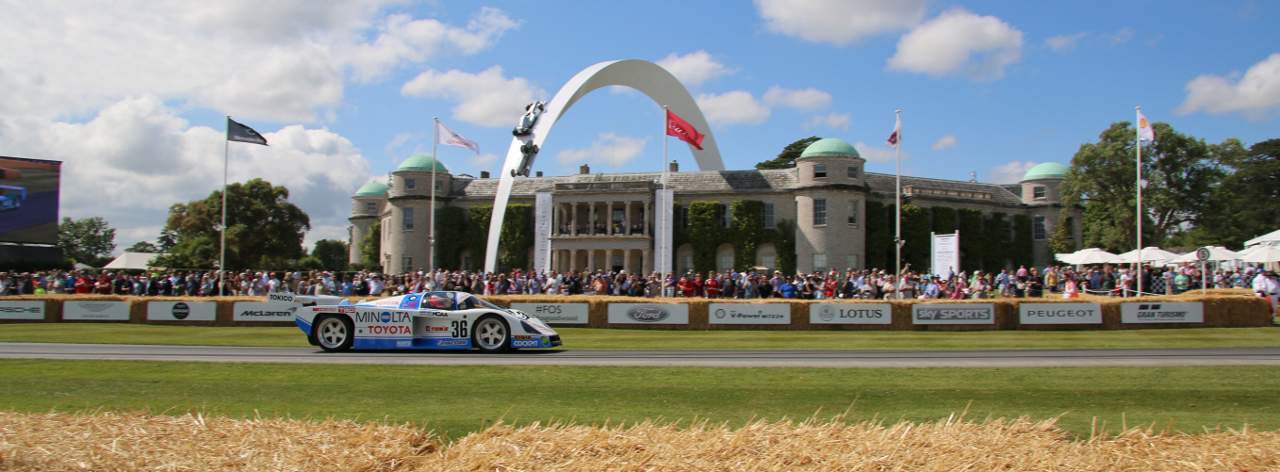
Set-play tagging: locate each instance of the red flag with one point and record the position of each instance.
(897, 129)
(680, 128)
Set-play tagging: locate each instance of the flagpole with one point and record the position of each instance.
(222, 253)
(897, 185)
(1138, 144)
(431, 218)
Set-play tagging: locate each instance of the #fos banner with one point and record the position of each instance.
(663, 208)
(648, 313)
(542, 232)
(555, 313)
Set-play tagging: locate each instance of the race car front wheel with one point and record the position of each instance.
(490, 334)
(334, 333)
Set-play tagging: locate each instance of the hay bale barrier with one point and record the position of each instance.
(127, 441)
(1222, 308)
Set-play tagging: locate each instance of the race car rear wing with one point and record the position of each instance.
(304, 300)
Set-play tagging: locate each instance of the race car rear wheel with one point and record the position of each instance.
(334, 333)
(491, 334)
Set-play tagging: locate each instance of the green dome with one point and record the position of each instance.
(372, 189)
(421, 163)
(829, 147)
(1048, 170)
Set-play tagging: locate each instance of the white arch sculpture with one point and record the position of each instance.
(644, 76)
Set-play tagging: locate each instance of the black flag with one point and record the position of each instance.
(242, 133)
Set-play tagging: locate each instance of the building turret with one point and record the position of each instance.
(1040, 185)
(405, 226)
(830, 204)
(366, 205)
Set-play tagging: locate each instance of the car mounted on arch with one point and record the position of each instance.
(416, 321)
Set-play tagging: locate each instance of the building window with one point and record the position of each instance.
(682, 214)
(687, 262)
(819, 212)
(1037, 192)
(768, 261)
(853, 213)
(819, 171)
(769, 222)
(853, 172)
(727, 212)
(1037, 228)
(407, 262)
(726, 262)
(410, 184)
(370, 207)
(819, 262)
(408, 219)
(851, 261)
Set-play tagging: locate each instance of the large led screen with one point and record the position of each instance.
(29, 200)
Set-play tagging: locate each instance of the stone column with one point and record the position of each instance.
(648, 217)
(591, 260)
(608, 218)
(627, 225)
(591, 218)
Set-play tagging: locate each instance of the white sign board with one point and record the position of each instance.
(945, 250)
(749, 313)
(956, 314)
(542, 232)
(21, 310)
(95, 311)
(648, 313)
(663, 208)
(182, 311)
(259, 311)
(850, 313)
(1059, 313)
(1161, 312)
(555, 313)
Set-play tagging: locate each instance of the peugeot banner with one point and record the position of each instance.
(1059, 313)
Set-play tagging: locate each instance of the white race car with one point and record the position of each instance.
(431, 320)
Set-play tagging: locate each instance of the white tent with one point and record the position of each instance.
(1261, 253)
(1216, 253)
(132, 260)
(1269, 238)
(1150, 254)
(1088, 256)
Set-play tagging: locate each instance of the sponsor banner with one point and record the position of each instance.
(648, 313)
(182, 311)
(24, 310)
(259, 311)
(1059, 313)
(555, 313)
(1162, 312)
(95, 311)
(943, 313)
(542, 232)
(749, 313)
(850, 313)
(664, 209)
(945, 253)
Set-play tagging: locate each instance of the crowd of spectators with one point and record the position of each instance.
(1059, 281)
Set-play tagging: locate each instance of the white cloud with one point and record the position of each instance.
(840, 121)
(485, 99)
(136, 157)
(1122, 36)
(1011, 173)
(1064, 42)
(875, 153)
(959, 42)
(284, 61)
(803, 99)
(608, 149)
(945, 142)
(839, 22)
(694, 68)
(1254, 94)
(736, 107)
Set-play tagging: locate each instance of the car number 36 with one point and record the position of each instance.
(459, 329)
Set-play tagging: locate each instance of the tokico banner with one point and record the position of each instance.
(749, 313)
(955, 313)
(1059, 313)
(648, 313)
(850, 313)
(1161, 312)
(555, 313)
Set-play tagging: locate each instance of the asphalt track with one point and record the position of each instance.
(771, 358)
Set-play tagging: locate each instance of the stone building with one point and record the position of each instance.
(606, 221)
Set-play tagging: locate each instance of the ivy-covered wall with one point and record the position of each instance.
(995, 251)
(451, 223)
(944, 219)
(915, 231)
(971, 238)
(459, 230)
(746, 232)
(879, 241)
(784, 240)
(1022, 247)
(705, 234)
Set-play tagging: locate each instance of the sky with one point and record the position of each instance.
(132, 95)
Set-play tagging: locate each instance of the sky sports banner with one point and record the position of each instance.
(1161, 312)
(29, 200)
(1059, 313)
(555, 313)
(21, 310)
(955, 314)
(261, 311)
(182, 311)
(649, 313)
(749, 313)
(95, 311)
(850, 313)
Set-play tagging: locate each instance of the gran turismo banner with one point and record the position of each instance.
(850, 313)
(22, 310)
(182, 311)
(749, 313)
(649, 313)
(1161, 312)
(953, 313)
(555, 313)
(95, 311)
(1059, 313)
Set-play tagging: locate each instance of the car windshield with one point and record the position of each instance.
(472, 301)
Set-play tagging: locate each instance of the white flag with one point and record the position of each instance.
(1145, 131)
(447, 136)
(897, 132)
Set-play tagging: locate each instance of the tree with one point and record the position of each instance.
(787, 158)
(915, 231)
(1243, 204)
(143, 246)
(264, 230)
(704, 234)
(371, 247)
(87, 240)
(330, 253)
(995, 251)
